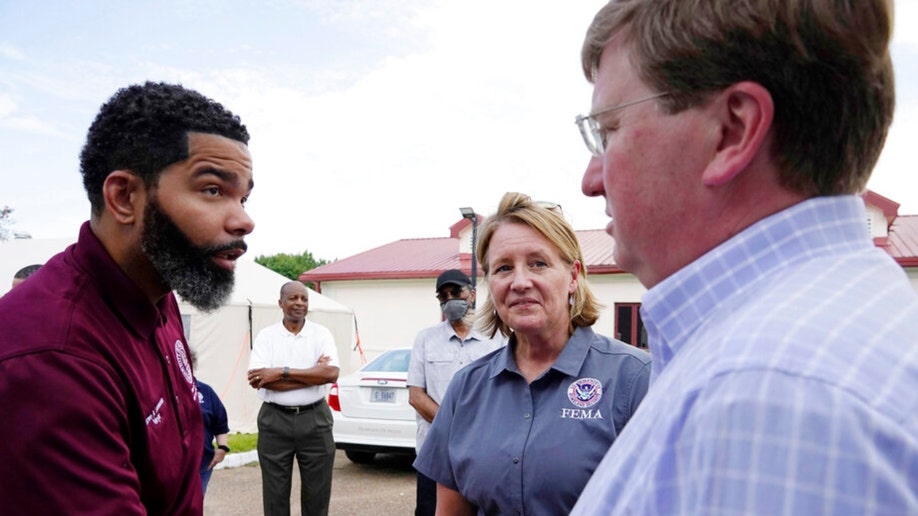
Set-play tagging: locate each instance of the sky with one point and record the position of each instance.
(371, 121)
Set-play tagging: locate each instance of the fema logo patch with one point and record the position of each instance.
(182, 358)
(585, 392)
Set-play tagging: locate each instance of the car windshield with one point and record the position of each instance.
(391, 361)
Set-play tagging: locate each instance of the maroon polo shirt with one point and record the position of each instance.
(98, 403)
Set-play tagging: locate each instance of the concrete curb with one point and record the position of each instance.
(234, 460)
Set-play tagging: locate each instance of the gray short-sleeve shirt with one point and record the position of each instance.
(437, 355)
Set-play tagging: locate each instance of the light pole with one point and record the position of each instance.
(469, 213)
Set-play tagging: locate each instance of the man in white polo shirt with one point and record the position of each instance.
(292, 364)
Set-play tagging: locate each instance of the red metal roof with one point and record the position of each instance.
(428, 257)
(902, 243)
(409, 258)
(889, 207)
(597, 246)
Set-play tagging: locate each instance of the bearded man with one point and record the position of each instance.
(96, 385)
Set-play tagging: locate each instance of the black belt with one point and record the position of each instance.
(295, 409)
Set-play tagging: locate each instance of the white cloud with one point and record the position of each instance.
(430, 105)
(7, 105)
(906, 16)
(485, 109)
(29, 124)
(11, 52)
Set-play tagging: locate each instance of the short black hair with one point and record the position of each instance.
(26, 271)
(144, 129)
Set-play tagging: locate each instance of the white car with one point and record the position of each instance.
(371, 409)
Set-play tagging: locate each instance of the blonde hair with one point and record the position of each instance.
(549, 221)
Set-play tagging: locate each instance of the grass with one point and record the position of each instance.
(239, 443)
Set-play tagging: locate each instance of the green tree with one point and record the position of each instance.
(290, 265)
(5, 222)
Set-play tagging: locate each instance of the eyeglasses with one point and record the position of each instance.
(593, 135)
(548, 205)
(450, 292)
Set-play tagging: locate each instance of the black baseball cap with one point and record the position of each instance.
(453, 277)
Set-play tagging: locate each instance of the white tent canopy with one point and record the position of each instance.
(21, 252)
(222, 339)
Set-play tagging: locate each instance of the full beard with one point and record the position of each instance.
(183, 266)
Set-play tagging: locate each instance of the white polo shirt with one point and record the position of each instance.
(275, 346)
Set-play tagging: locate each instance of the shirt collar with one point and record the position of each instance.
(290, 333)
(569, 362)
(451, 333)
(120, 293)
(676, 307)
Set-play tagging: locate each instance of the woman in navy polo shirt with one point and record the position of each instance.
(521, 430)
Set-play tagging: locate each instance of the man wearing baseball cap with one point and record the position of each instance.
(439, 352)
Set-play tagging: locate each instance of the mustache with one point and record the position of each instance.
(229, 246)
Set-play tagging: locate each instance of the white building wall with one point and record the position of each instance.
(611, 289)
(391, 312)
(876, 222)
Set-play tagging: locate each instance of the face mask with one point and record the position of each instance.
(455, 309)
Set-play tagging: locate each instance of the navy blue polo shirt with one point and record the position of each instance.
(515, 448)
(215, 421)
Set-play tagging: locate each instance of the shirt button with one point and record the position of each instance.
(516, 460)
(527, 415)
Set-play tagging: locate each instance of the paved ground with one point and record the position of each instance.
(386, 486)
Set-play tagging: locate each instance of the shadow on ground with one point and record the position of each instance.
(384, 486)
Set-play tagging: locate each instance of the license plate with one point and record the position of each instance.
(382, 395)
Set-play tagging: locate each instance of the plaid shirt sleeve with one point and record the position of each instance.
(806, 450)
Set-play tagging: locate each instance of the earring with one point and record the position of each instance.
(570, 299)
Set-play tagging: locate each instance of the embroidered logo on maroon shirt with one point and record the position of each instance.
(155, 417)
(182, 358)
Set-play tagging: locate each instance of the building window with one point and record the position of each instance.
(628, 324)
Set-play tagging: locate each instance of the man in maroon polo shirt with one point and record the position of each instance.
(99, 405)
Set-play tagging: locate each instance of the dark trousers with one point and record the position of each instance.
(306, 436)
(205, 478)
(426, 497)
